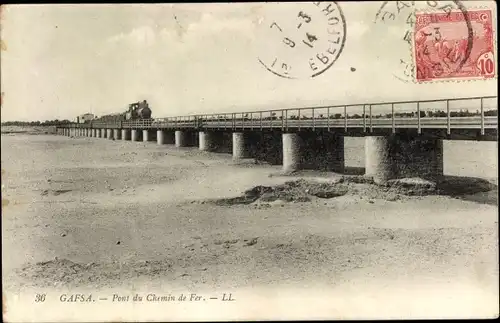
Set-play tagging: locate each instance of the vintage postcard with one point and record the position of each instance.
(249, 161)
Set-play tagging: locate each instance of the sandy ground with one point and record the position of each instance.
(89, 214)
(32, 130)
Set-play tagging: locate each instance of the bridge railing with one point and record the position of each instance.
(421, 114)
(401, 114)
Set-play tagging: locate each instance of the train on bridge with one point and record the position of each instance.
(136, 111)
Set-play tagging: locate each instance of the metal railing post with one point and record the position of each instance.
(299, 122)
(364, 117)
(345, 117)
(286, 119)
(482, 117)
(371, 121)
(448, 120)
(314, 121)
(393, 120)
(418, 118)
(282, 120)
(328, 118)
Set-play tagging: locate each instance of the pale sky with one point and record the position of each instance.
(60, 61)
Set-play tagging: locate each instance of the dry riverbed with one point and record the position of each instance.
(88, 213)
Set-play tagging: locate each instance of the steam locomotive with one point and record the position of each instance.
(136, 111)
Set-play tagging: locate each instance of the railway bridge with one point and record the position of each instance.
(402, 139)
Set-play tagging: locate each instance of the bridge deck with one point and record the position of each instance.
(314, 118)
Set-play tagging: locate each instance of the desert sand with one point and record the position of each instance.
(97, 215)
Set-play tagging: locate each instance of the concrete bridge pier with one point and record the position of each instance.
(125, 134)
(91, 132)
(136, 135)
(209, 141)
(117, 134)
(164, 137)
(291, 152)
(103, 133)
(180, 138)
(109, 133)
(399, 156)
(239, 146)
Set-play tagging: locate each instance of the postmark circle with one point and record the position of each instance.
(301, 40)
(404, 15)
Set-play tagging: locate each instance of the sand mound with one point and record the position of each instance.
(303, 190)
(293, 191)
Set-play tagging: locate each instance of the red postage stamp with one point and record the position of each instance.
(454, 45)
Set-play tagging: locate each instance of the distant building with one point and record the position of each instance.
(85, 118)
